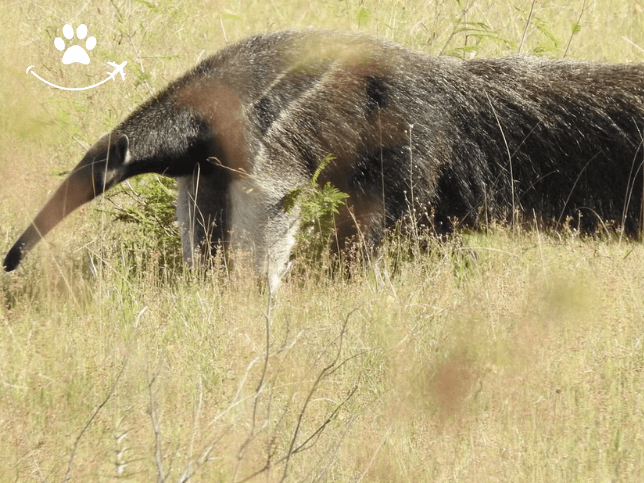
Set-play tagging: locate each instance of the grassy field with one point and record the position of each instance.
(495, 356)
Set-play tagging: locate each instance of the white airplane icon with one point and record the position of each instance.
(118, 69)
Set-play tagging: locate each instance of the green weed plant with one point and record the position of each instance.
(317, 206)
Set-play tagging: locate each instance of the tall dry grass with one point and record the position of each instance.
(495, 356)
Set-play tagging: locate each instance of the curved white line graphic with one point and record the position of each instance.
(110, 75)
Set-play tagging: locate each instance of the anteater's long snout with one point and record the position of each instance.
(93, 175)
(77, 189)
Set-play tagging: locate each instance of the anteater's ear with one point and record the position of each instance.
(123, 143)
(113, 148)
(122, 146)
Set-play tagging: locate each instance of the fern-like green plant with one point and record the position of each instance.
(151, 210)
(318, 204)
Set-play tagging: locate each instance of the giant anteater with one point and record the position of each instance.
(412, 135)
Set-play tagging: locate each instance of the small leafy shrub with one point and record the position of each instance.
(148, 203)
(318, 204)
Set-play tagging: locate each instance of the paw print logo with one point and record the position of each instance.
(75, 53)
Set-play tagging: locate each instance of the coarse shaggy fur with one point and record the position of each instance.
(429, 139)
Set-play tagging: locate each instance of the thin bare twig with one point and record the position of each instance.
(158, 452)
(203, 458)
(575, 27)
(527, 24)
(509, 158)
(296, 447)
(223, 30)
(187, 472)
(573, 189)
(633, 43)
(323, 373)
(630, 186)
(89, 422)
(260, 385)
(375, 453)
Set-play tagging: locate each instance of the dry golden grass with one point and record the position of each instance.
(496, 356)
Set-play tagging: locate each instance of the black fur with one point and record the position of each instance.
(461, 140)
(377, 94)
